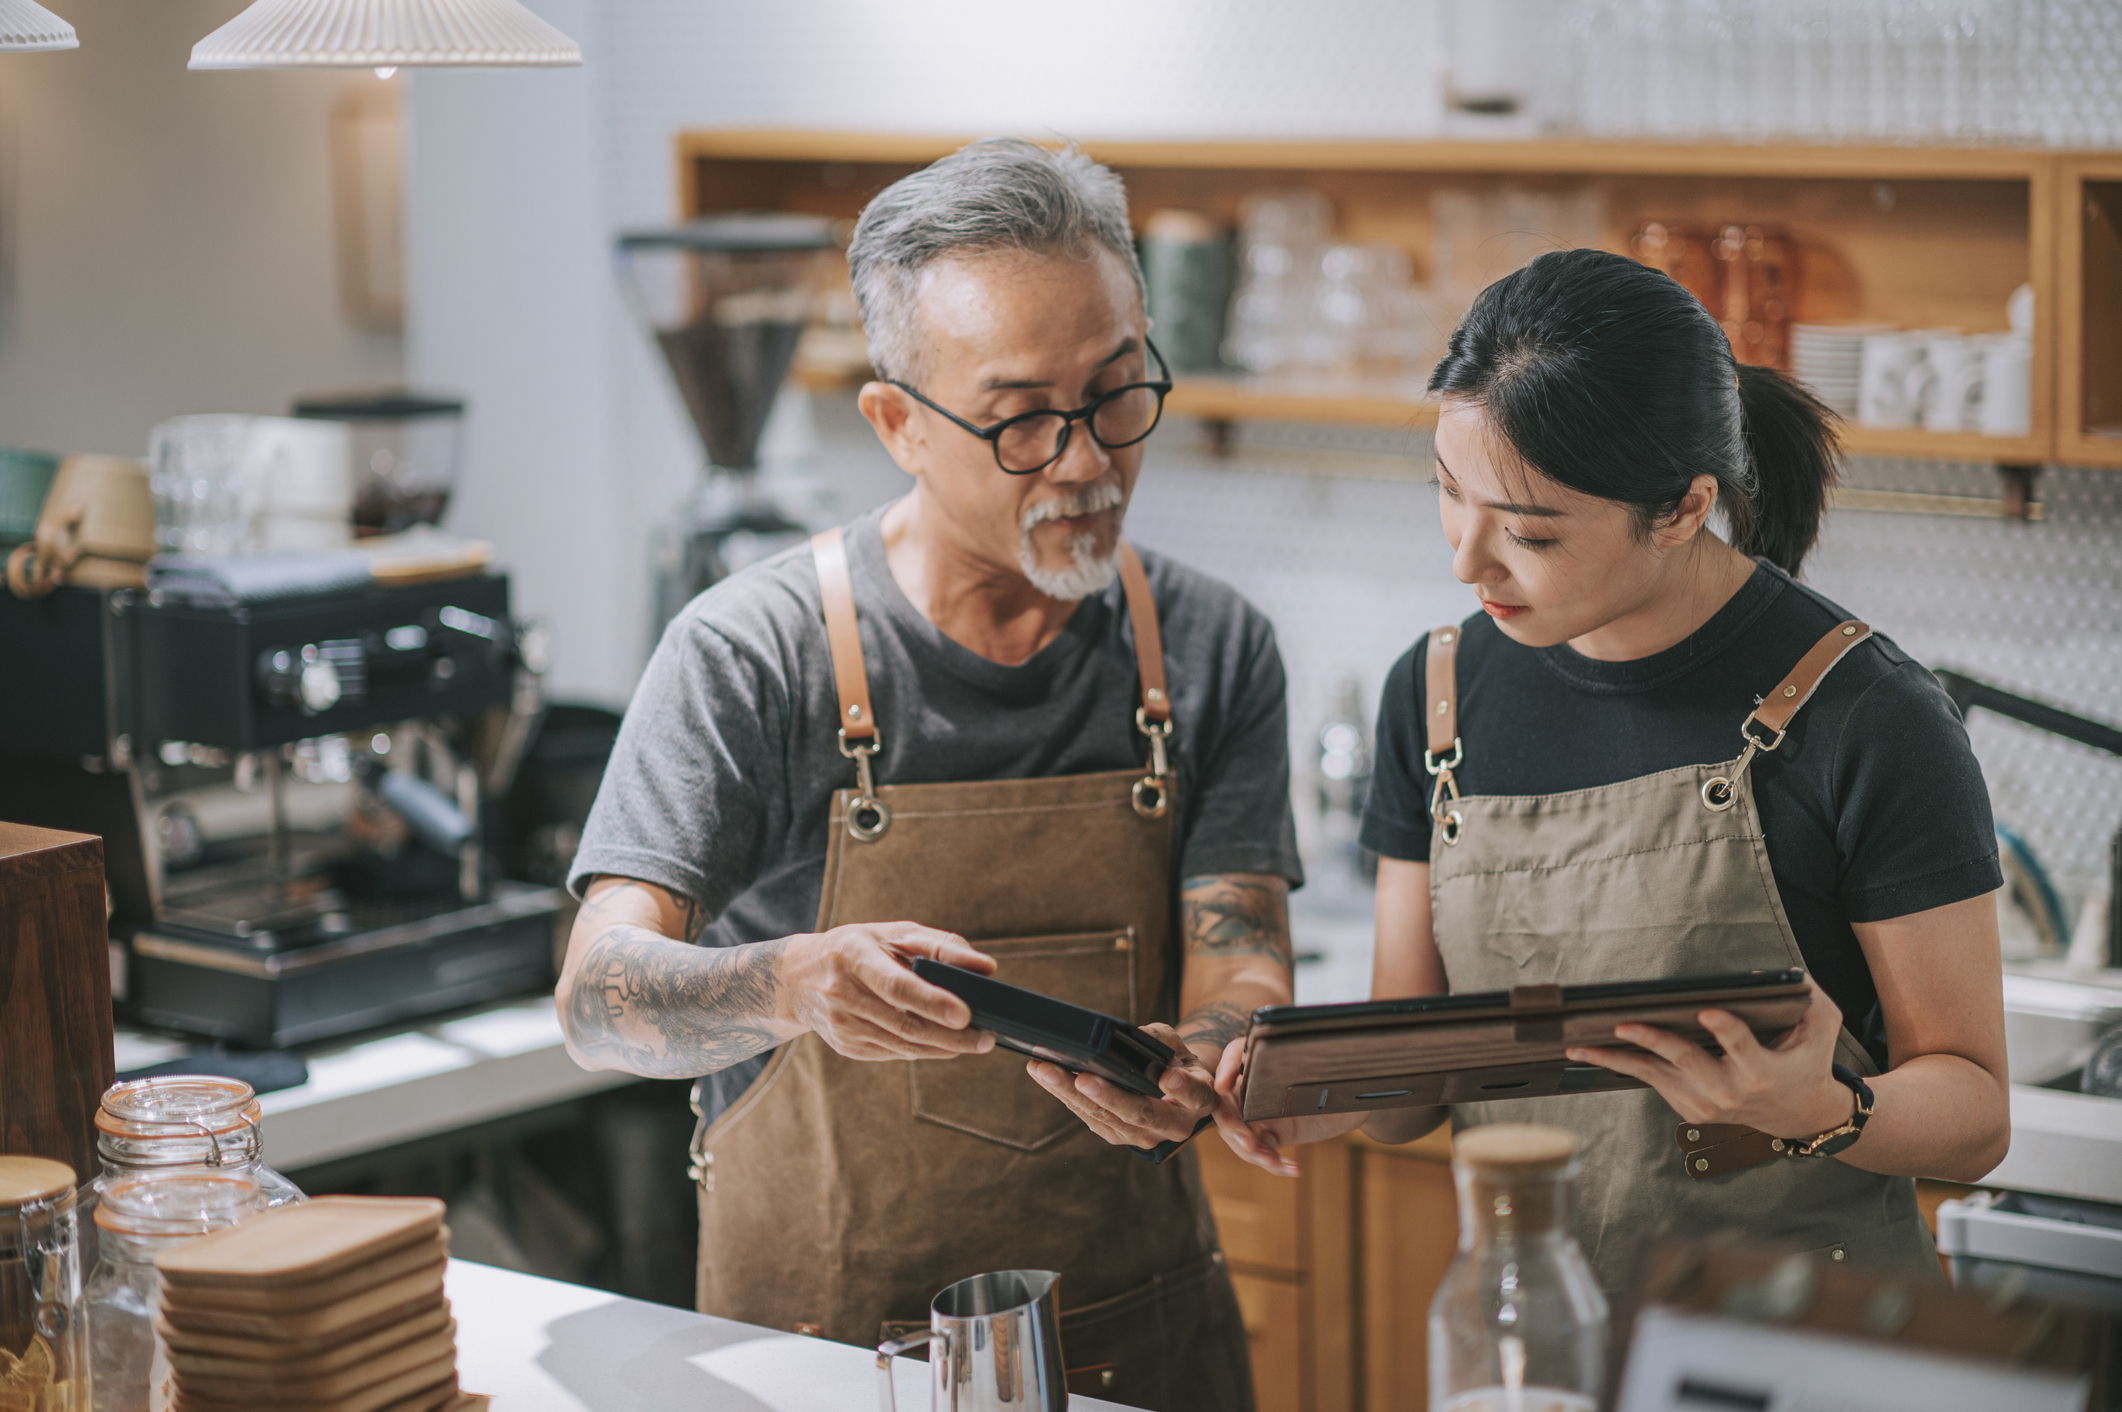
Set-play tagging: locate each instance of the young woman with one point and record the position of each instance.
(1655, 753)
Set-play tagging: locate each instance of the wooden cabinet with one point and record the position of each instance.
(1292, 1250)
(1911, 235)
(1335, 1270)
(1410, 1225)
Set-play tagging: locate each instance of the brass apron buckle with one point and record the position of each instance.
(867, 815)
(1152, 793)
(1448, 821)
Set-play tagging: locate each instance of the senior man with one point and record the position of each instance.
(974, 726)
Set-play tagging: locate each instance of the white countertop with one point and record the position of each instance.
(542, 1346)
(432, 1078)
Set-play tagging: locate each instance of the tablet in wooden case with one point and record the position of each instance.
(1485, 1045)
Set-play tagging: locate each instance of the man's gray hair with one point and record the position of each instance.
(1000, 194)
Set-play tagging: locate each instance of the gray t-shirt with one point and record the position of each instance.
(721, 784)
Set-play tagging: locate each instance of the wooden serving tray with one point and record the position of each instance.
(299, 1245)
(388, 1326)
(271, 1367)
(335, 1386)
(312, 1294)
(1480, 1047)
(407, 1295)
(433, 1386)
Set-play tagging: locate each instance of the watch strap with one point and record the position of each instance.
(1712, 1149)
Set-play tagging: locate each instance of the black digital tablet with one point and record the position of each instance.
(1079, 1040)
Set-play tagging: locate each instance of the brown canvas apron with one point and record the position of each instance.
(1663, 875)
(837, 1195)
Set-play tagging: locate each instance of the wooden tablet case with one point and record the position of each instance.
(1495, 1045)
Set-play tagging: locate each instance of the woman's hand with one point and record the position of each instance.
(1784, 1091)
(1261, 1143)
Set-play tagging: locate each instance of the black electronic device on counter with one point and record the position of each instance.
(1079, 1040)
(292, 795)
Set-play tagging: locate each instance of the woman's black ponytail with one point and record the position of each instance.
(1610, 378)
(1790, 440)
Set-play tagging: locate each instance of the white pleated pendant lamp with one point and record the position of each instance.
(25, 25)
(384, 34)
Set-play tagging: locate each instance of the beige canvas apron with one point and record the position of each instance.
(1663, 875)
(837, 1195)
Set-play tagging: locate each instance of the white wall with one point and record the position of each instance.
(171, 232)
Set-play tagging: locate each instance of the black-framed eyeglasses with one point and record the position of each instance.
(1032, 441)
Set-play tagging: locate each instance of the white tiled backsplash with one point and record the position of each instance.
(1333, 532)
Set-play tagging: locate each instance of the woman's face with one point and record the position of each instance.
(1551, 564)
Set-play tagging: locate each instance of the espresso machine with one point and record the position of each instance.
(727, 298)
(290, 788)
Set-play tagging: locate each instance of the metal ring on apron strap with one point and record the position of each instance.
(1152, 793)
(867, 815)
(1720, 792)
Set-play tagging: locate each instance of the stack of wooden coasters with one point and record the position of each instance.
(335, 1305)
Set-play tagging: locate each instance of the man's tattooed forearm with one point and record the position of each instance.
(1216, 1022)
(1236, 914)
(664, 1009)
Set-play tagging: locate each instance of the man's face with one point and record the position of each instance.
(1004, 334)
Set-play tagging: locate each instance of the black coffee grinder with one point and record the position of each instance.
(728, 298)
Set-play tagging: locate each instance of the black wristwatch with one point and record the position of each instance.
(1840, 1139)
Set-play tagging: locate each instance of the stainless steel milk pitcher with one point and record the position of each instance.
(994, 1345)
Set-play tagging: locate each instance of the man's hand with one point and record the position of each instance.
(853, 988)
(635, 995)
(1129, 1119)
(1786, 1091)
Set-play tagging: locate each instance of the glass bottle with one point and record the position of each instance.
(137, 1219)
(152, 1126)
(44, 1348)
(1519, 1324)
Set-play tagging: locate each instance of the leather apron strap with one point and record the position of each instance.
(1149, 638)
(1440, 709)
(850, 677)
(858, 719)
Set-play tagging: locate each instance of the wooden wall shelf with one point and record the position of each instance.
(1913, 235)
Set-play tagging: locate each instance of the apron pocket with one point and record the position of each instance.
(989, 1095)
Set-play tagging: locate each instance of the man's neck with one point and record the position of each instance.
(985, 607)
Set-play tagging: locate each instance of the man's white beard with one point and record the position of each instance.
(1089, 571)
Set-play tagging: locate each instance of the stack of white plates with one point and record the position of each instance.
(1828, 358)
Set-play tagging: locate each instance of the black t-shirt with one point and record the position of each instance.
(1874, 807)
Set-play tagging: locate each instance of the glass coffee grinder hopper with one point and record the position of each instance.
(727, 298)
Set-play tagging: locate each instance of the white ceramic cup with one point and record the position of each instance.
(1887, 380)
(2007, 388)
(1951, 383)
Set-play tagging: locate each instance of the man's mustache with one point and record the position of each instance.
(1087, 501)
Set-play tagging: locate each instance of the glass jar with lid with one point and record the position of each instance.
(1518, 1322)
(137, 1218)
(151, 1126)
(44, 1352)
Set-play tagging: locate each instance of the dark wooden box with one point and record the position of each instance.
(56, 1057)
